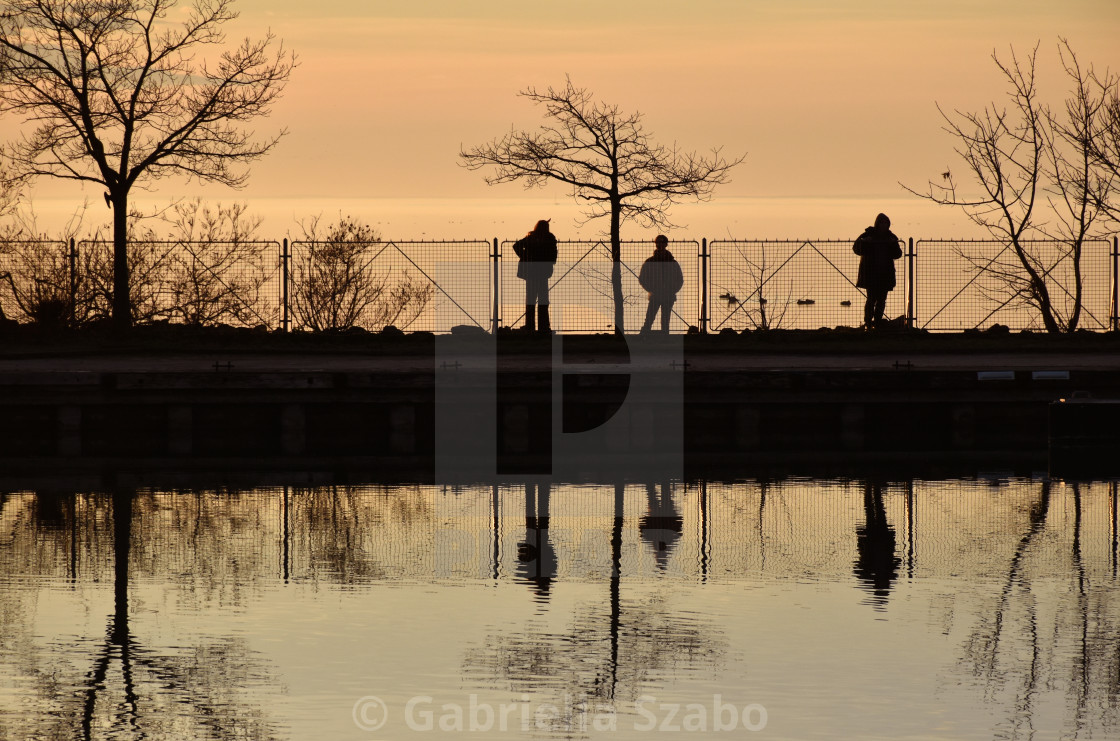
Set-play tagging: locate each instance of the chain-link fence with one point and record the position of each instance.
(203, 283)
(236, 283)
(790, 284)
(963, 284)
(581, 294)
(413, 286)
(941, 285)
(37, 280)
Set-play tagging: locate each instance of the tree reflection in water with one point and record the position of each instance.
(129, 691)
(1051, 626)
(602, 658)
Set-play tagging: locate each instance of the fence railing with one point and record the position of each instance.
(942, 285)
(966, 284)
(419, 286)
(581, 294)
(789, 284)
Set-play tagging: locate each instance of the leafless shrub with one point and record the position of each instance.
(753, 292)
(217, 269)
(337, 285)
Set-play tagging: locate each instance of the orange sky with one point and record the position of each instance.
(826, 97)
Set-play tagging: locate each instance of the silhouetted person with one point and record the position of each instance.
(876, 565)
(536, 253)
(661, 276)
(662, 524)
(877, 248)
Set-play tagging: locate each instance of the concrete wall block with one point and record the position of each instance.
(69, 431)
(515, 429)
(180, 430)
(402, 428)
(964, 426)
(748, 435)
(853, 421)
(293, 429)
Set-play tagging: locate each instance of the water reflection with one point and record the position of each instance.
(126, 690)
(536, 558)
(661, 524)
(634, 588)
(877, 564)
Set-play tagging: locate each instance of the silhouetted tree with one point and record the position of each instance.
(117, 92)
(1039, 174)
(609, 160)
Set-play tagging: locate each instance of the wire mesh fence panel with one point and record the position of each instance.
(790, 284)
(963, 284)
(209, 283)
(413, 286)
(581, 296)
(36, 281)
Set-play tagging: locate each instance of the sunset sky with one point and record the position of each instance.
(832, 98)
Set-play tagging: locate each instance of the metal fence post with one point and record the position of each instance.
(1115, 286)
(704, 285)
(285, 257)
(73, 281)
(910, 258)
(495, 314)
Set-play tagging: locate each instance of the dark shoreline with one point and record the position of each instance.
(21, 340)
(358, 405)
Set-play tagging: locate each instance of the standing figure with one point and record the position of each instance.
(877, 248)
(661, 276)
(536, 253)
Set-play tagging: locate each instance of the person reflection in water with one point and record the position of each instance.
(536, 254)
(662, 524)
(536, 558)
(877, 248)
(661, 276)
(876, 566)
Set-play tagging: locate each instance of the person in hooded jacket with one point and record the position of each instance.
(536, 253)
(661, 276)
(877, 248)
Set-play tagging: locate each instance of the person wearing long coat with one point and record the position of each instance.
(536, 253)
(878, 248)
(661, 276)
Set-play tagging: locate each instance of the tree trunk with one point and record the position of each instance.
(122, 545)
(616, 268)
(122, 303)
(1040, 294)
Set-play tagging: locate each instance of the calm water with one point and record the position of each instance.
(972, 608)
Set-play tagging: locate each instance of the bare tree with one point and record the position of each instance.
(608, 159)
(117, 94)
(1042, 191)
